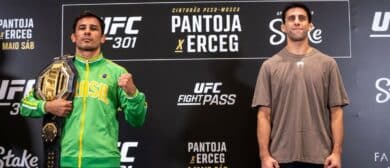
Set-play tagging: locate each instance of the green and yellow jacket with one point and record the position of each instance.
(90, 132)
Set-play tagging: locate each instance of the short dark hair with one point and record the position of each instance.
(86, 14)
(296, 5)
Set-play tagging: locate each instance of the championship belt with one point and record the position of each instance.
(57, 80)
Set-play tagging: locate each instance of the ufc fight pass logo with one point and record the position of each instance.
(206, 93)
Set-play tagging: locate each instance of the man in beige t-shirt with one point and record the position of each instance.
(299, 95)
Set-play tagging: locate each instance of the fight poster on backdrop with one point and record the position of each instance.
(207, 30)
(210, 123)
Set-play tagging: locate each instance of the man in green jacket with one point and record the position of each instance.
(90, 130)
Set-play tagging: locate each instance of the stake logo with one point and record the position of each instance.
(278, 37)
(383, 86)
(8, 158)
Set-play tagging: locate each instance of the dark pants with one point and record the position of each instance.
(300, 165)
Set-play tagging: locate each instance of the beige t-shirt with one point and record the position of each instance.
(300, 91)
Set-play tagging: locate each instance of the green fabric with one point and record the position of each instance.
(106, 162)
(97, 88)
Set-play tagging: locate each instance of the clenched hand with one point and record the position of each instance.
(126, 83)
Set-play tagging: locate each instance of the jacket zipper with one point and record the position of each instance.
(82, 120)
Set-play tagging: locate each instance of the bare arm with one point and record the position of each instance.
(263, 130)
(263, 137)
(337, 128)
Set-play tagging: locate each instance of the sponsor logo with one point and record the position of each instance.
(122, 31)
(8, 158)
(207, 93)
(206, 29)
(12, 91)
(207, 154)
(383, 86)
(278, 37)
(381, 159)
(17, 33)
(126, 158)
(380, 25)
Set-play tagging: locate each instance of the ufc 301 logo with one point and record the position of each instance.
(122, 30)
(11, 93)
